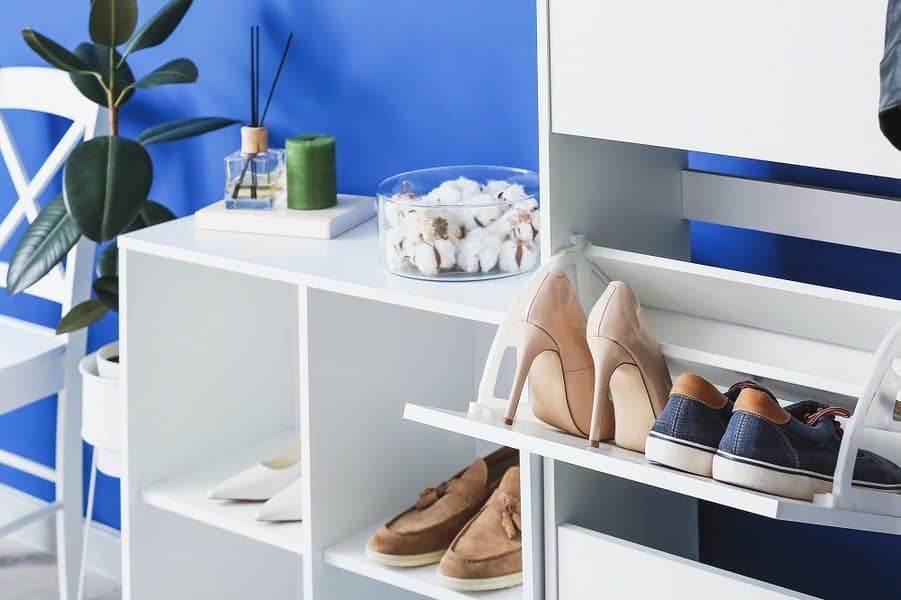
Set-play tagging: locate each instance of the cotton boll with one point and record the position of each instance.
(467, 187)
(426, 259)
(394, 253)
(393, 238)
(518, 255)
(519, 224)
(457, 217)
(392, 211)
(433, 197)
(514, 193)
(412, 222)
(503, 227)
(468, 255)
(488, 255)
(447, 253)
(451, 195)
(408, 245)
(524, 231)
(528, 205)
(435, 226)
(483, 214)
(495, 188)
(478, 252)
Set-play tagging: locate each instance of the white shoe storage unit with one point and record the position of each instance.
(231, 343)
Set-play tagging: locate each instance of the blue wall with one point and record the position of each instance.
(406, 84)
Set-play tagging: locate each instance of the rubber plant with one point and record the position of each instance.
(106, 180)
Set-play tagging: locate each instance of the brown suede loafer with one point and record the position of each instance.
(487, 553)
(421, 534)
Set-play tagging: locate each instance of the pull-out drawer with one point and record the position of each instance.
(794, 82)
(594, 565)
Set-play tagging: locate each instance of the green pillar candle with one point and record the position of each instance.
(310, 161)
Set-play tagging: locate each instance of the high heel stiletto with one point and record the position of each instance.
(547, 327)
(632, 381)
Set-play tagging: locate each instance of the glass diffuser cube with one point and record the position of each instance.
(255, 175)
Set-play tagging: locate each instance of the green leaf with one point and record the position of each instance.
(180, 70)
(53, 53)
(154, 213)
(178, 130)
(112, 21)
(159, 27)
(45, 243)
(105, 183)
(81, 315)
(107, 291)
(108, 261)
(97, 59)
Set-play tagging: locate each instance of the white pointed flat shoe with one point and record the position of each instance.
(287, 505)
(261, 481)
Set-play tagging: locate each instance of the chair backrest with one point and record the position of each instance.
(47, 91)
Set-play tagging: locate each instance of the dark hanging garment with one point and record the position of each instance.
(890, 75)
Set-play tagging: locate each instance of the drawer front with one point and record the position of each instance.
(594, 565)
(786, 81)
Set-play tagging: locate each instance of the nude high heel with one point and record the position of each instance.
(547, 327)
(629, 370)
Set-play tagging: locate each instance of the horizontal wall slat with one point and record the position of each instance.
(839, 217)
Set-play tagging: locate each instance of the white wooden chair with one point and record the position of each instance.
(34, 361)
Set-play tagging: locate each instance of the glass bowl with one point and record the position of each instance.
(459, 223)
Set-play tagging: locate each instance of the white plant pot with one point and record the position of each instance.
(105, 357)
(101, 424)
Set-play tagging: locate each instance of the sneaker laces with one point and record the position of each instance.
(828, 411)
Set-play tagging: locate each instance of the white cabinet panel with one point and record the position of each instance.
(594, 565)
(793, 81)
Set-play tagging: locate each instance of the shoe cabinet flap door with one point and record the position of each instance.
(792, 82)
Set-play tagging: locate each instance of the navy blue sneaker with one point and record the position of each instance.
(792, 451)
(688, 431)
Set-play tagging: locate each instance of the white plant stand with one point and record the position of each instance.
(102, 429)
(232, 341)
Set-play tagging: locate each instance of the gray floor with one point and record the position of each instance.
(29, 575)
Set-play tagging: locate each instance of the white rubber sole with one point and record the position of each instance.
(481, 585)
(763, 479)
(682, 455)
(405, 560)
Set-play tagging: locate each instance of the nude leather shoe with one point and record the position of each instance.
(547, 327)
(287, 505)
(261, 481)
(629, 369)
(421, 534)
(487, 554)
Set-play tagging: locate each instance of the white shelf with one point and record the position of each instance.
(347, 264)
(350, 555)
(186, 495)
(795, 368)
(537, 438)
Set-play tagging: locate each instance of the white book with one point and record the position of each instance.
(321, 224)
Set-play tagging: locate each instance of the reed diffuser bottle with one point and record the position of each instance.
(255, 174)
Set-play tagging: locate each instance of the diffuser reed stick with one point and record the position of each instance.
(256, 121)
